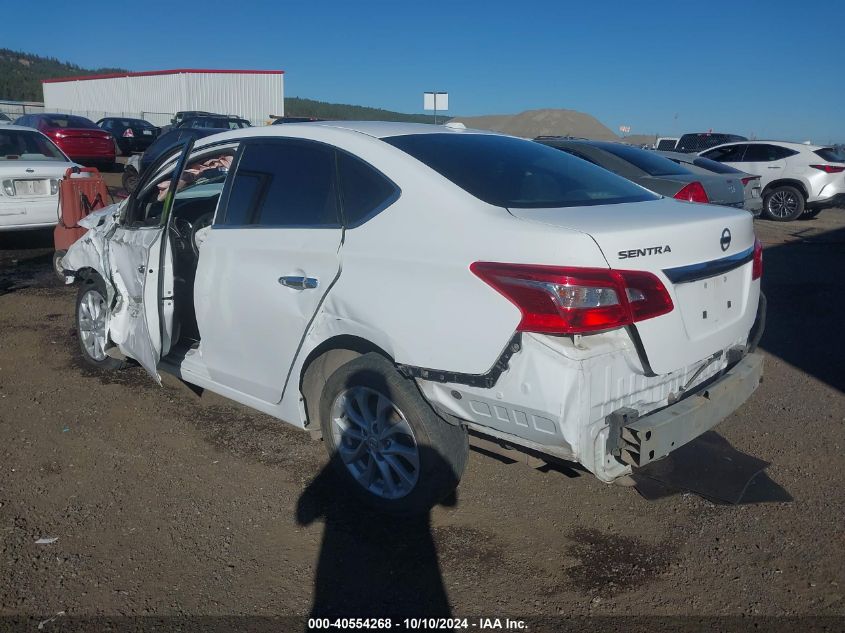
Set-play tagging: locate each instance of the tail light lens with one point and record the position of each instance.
(693, 192)
(556, 300)
(745, 181)
(128, 133)
(757, 261)
(830, 169)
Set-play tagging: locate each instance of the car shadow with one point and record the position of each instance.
(374, 564)
(805, 289)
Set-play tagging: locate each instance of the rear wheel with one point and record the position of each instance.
(783, 204)
(91, 319)
(386, 441)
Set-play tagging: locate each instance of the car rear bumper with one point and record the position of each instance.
(637, 441)
(837, 200)
(29, 213)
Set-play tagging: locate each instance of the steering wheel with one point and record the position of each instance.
(200, 223)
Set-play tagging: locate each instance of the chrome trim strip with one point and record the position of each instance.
(694, 272)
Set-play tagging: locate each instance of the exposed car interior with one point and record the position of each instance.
(197, 194)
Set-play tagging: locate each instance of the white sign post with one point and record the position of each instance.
(436, 101)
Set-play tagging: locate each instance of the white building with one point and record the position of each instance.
(157, 95)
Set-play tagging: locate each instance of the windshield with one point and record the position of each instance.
(515, 173)
(714, 166)
(20, 145)
(651, 163)
(69, 121)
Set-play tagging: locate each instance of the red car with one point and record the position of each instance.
(76, 136)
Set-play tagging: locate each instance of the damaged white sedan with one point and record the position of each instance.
(398, 288)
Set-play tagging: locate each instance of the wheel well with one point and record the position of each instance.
(322, 362)
(786, 182)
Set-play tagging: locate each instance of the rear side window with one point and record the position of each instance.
(651, 163)
(831, 154)
(284, 184)
(364, 192)
(514, 173)
(728, 154)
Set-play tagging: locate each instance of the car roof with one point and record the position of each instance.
(787, 144)
(375, 129)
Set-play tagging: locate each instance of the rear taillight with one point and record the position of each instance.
(129, 133)
(830, 169)
(745, 181)
(693, 192)
(556, 300)
(757, 261)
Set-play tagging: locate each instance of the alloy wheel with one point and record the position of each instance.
(783, 204)
(375, 442)
(92, 324)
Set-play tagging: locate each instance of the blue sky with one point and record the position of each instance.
(773, 69)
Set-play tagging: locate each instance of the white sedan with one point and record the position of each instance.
(401, 288)
(31, 167)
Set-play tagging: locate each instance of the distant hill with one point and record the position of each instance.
(548, 122)
(297, 106)
(21, 74)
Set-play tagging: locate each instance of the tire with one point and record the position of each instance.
(57, 264)
(90, 322)
(130, 178)
(410, 437)
(783, 204)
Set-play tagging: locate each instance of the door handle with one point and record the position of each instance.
(299, 283)
(773, 167)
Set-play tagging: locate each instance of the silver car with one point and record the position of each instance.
(699, 164)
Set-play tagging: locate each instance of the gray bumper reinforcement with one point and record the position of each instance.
(638, 441)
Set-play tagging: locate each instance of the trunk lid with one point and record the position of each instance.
(702, 254)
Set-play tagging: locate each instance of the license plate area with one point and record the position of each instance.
(32, 187)
(712, 304)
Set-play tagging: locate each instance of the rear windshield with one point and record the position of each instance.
(651, 163)
(514, 173)
(714, 166)
(702, 141)
(832, 154)
(69, 121)
(20, 145)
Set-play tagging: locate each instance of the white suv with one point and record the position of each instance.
(796, 179)
(398, 288)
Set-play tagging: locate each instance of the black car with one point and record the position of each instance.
(131, 173)
(217, 121)
(131, 135)
(700, 141)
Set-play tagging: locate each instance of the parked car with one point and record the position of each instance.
(76, 136)
(136, 164)
(31, 166)
(5, 119)
(700, 141)
(215, 121)
(398, 288)
(655, 172)
(189, 114)
(131, 135)
(796, 178)
(699, 164)
(666, 143)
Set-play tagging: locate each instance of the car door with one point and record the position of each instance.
(141, 267)
(270, 257)
(766, 161)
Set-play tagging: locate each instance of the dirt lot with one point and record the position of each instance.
(167, 503)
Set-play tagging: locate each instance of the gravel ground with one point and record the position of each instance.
(167, 503)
